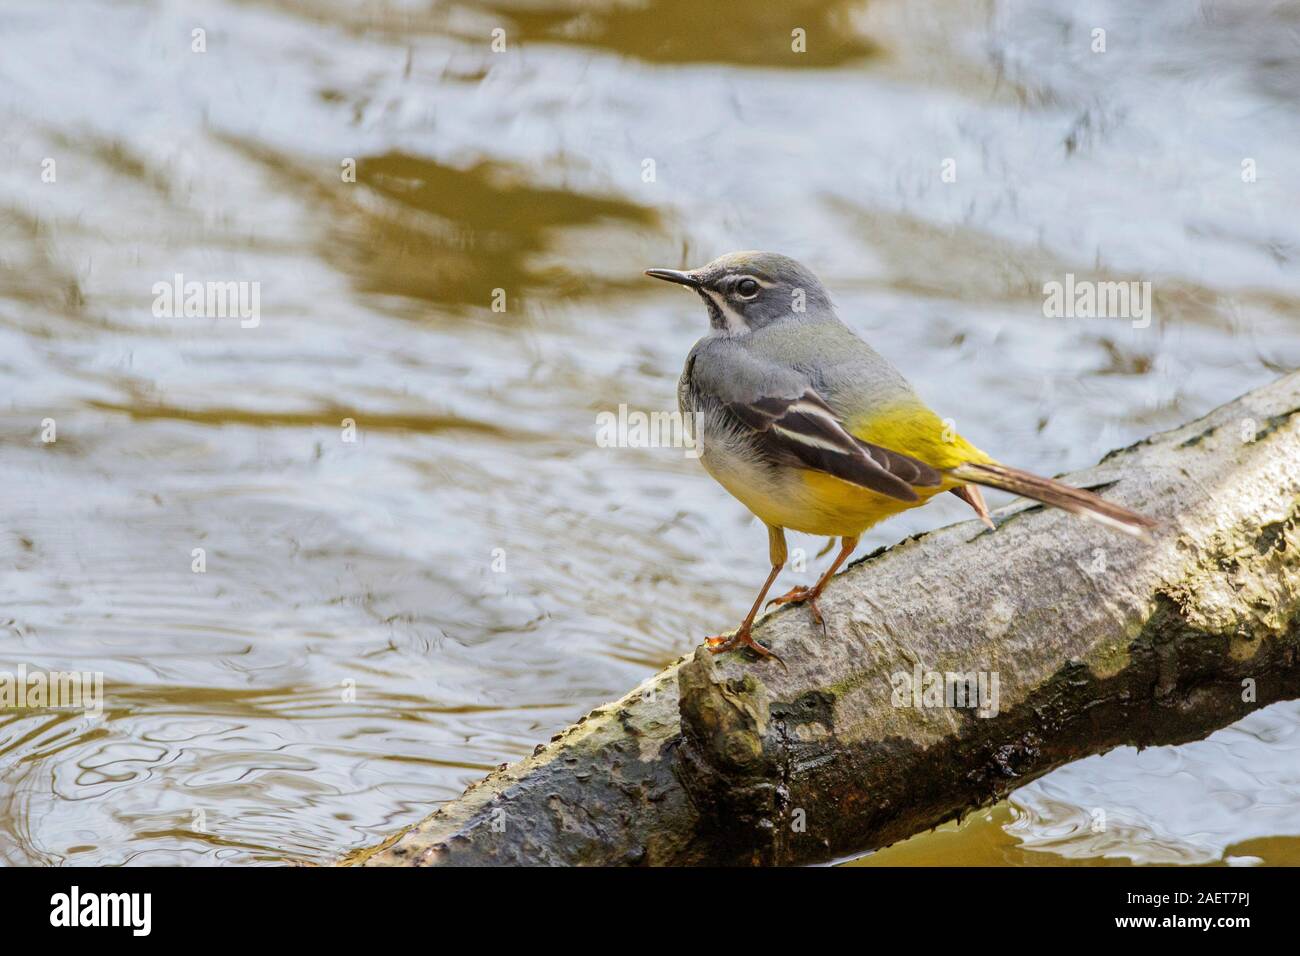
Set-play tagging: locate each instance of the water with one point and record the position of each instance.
(382, 620)
(1227, 800)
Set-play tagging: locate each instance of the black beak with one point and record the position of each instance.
(672, 275)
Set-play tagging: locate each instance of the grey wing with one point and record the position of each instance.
(789, 423)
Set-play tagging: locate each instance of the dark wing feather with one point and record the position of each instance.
(806, 432)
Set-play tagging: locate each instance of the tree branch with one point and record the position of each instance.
(1094, 640)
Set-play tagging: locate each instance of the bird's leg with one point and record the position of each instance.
(810, 595)
(742, 637)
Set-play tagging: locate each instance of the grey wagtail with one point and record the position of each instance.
(812, 430)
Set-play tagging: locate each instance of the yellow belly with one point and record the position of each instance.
(818, 503)
(840, 508)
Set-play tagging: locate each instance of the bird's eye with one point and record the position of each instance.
(747, 288)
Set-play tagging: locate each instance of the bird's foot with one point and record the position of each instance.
(801, 595)
(742, 638)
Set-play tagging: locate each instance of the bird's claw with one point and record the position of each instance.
(801, 595)
(742, 638)
(792, 596)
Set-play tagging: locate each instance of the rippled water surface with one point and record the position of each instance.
(382, 620)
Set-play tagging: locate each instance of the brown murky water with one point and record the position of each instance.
(380, 620)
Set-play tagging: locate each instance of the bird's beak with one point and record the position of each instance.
(672, 275)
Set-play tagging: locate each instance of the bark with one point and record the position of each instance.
(1096, 640)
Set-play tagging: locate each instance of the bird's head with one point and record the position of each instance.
(744, 291)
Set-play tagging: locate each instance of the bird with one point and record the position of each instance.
(812, 430)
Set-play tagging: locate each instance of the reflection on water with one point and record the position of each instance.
(381, 620)
(663, 31)
(1233, 798)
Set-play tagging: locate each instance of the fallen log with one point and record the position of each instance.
(1079, 640)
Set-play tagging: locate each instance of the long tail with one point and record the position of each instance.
(1049, 492)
